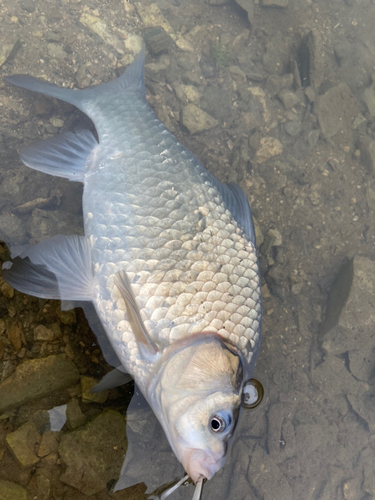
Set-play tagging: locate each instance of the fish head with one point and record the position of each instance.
(196, 395)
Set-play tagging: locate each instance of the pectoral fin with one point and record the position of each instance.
(114, 378)
(135, 320)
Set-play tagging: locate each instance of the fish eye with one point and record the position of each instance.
(219, 423)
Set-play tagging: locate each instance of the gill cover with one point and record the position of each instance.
(196, 392)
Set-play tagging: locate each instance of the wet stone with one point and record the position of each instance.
(9, 50)
(12, 491)
(367, 149)
(157, 40)
(98, 26)
(43, 334)
(48, 444)
(293, 128)
(313, 138)
(74, 416)
(274, 3)
(22, 442)
(56, 51)
(91, 397)
(37, 378)
(12, 229)
(196, 120)
(94, 455)
(44, 223)
(336, 111)
(369, 99)
(216, 103)
(248, 6)
(67, 317)
(28, 6)
(288, 98)
(269, 147)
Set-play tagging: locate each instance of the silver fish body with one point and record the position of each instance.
(185, 242)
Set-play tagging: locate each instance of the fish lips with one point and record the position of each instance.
(198, 463)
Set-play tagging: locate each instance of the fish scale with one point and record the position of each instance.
(168, 261)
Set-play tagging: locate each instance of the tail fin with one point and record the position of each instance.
(131, 79)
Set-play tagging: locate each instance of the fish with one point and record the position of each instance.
(167, 270)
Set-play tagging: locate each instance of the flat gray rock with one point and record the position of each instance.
(36, 378)
(93, 455)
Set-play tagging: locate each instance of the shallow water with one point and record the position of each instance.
(303, 155)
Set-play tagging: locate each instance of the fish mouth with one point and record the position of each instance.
(201, 465)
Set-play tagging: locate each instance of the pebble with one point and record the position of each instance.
(288, 98)
(196, 120)
(269, 147)
(293, 128)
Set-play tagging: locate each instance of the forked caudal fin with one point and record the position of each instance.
(131, 79)
(67, 154)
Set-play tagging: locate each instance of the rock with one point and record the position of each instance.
(352, 298)
(216, 102)
(6, 290)
(336, 111)
(157, 40)
(12, 491)
(94, 455)
(369, 99)
(274, 3)
(186, 92)
(14, 336)
(288, 98)
(152, 17)
(36, 378)
(56, 51)
(28, 6)
(13, 230)
(269, 147)
(196, 120)
(313, 138)
(46, 223)
(56, 122)
(276, 83)
(248, 6)
(293, 128)
(91, 397)
(134, 43)
(22, 442)
(43, 334)
(265, 477)
(217, 2)
(48, 444)
(370, 198)
(367, 149)
(98, 26)
(9, 50)
(74, 416)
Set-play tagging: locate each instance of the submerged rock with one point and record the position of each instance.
(94, 455)
(196, 120)
(22, 443)
(12, 491)
(36, 378)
